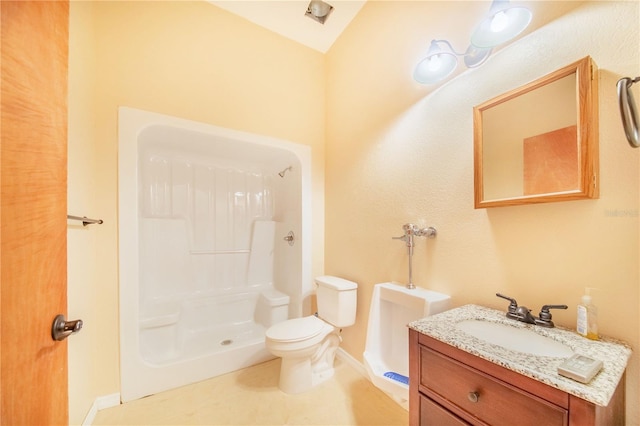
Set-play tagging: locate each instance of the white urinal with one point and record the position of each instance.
(386, 355)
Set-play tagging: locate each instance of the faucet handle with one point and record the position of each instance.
(513, 306)
(545, 315)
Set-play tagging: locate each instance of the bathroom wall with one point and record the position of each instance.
(187, 59)
(82, 299)
(399, 152)
(396, 152)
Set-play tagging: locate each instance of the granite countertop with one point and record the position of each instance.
(613, 353)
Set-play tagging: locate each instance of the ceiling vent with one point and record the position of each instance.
(319, 11)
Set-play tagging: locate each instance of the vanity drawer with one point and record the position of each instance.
(480, 398)
(432, 414)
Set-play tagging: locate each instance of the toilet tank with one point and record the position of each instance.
(337, 300)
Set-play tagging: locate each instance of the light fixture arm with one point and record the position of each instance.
(450, 47)
(441, 61)
(473, 56)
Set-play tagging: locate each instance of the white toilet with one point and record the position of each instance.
(308, 345)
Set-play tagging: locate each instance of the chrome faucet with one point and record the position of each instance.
(523, 314)
(411, 230)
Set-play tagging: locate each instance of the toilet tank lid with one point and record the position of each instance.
(336, 283)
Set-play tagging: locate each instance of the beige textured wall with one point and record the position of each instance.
(85, 347)
(186, 59)
(398, 152)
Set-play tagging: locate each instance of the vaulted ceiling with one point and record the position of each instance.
(288, 19)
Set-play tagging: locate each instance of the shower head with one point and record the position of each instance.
(282, 173)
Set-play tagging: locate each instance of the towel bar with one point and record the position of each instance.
(85, 220)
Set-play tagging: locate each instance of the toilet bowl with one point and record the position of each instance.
(386, 356)
(308, 345)
(296, 341)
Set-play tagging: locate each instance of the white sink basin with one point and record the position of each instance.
(514, 338)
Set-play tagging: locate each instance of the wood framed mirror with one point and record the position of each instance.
(539, 143)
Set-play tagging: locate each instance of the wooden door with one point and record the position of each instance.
(33, 168)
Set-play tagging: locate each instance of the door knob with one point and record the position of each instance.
(61, 328)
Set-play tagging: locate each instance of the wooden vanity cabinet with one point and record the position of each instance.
(448, 386)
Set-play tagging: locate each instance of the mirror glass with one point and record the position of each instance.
(538, 143)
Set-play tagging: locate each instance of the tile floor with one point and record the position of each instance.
(251, 397)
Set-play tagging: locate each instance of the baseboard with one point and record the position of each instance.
(357, 365)
(101, 403)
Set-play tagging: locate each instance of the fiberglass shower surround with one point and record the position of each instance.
(206, 251)
(204, 226)
(205, 262)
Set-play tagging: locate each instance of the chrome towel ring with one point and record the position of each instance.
(628, 110)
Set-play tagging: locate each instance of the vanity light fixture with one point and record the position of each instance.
(318, 10)
(502, 23)
(440, 63)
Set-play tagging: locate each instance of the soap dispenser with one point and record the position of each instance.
(587, 317)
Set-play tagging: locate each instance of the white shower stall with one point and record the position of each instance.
(214, 246)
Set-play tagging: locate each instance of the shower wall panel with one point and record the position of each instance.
(199, 215)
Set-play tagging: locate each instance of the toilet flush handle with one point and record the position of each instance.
(429, 232)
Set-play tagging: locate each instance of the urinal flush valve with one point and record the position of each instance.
(411, 230)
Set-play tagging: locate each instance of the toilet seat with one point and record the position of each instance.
(296, 330)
